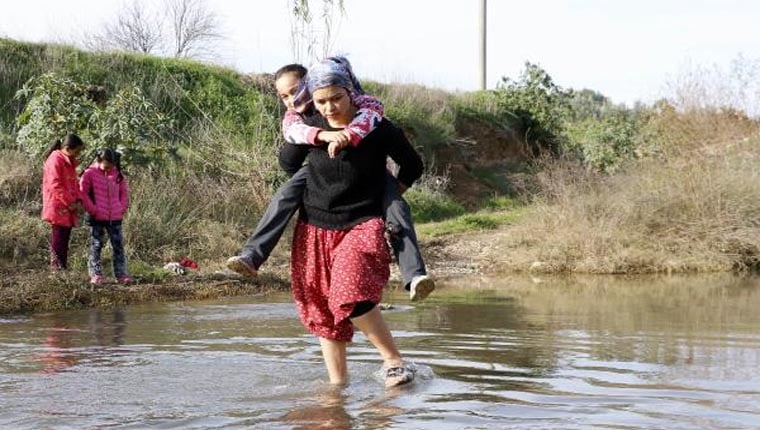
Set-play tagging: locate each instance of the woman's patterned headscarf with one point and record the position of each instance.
(327, 72)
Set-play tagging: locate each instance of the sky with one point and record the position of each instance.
(627, 50)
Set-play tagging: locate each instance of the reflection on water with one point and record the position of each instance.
(496, 353)
(331, 409)
(59, 349)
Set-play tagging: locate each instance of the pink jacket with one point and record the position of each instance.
(60, 189)
(103, 197)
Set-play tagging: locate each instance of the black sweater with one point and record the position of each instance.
(347, 190)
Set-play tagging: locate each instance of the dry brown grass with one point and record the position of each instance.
(690, 204)
(19, 179)
(679, 132)
(697, 210)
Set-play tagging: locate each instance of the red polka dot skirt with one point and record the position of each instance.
(332, 270)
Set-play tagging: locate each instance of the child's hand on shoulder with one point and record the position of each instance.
(333, 148)
(336, 140)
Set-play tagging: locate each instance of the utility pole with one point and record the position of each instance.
(483, 8)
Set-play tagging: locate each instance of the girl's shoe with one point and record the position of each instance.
(421, 287)
(97, 280)
(242, 266)
(125, 280)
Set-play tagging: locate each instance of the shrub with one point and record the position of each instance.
(131, 123)
(604, 143)
(57, 105)
(538, 103)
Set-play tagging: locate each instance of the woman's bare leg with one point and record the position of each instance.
(334, 354)
(373, 326)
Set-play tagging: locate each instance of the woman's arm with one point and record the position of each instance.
(292, 157)
(402, 153)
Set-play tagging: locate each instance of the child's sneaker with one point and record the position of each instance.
(97, 280)
(242, 266)
(421, 287)
(395, 376)
(125, 280)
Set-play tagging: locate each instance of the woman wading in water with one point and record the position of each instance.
(339, 259)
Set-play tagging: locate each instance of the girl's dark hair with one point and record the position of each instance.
(298, 69)
(112, 156)
(72, 141)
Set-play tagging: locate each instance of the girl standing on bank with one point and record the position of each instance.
(105, 195)
(61, 202)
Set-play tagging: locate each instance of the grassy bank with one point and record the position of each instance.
(32, 291)
(214, 168)
(528, 177)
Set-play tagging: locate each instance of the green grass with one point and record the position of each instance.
(432, 206)
(501, 203)
(473, 222)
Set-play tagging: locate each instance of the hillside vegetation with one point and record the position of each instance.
(570, 181)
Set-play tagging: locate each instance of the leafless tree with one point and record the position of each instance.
(183, 29)
(134, 29)
(194, 28)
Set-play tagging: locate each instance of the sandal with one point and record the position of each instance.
(395, 376)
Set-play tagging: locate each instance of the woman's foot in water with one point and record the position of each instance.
(400, 375)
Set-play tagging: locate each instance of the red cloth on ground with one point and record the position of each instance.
(332, 270)
(186, 262)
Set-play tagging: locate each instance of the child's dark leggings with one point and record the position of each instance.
(272, 224)
(286, 201)
(98, 232)
(59, 247)
(398, 219)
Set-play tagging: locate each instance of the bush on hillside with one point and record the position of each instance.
(128, 121)
(54, 107)
(605, 143)
(131, 123)
(539, 105)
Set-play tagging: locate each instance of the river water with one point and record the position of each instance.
(646, 353)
